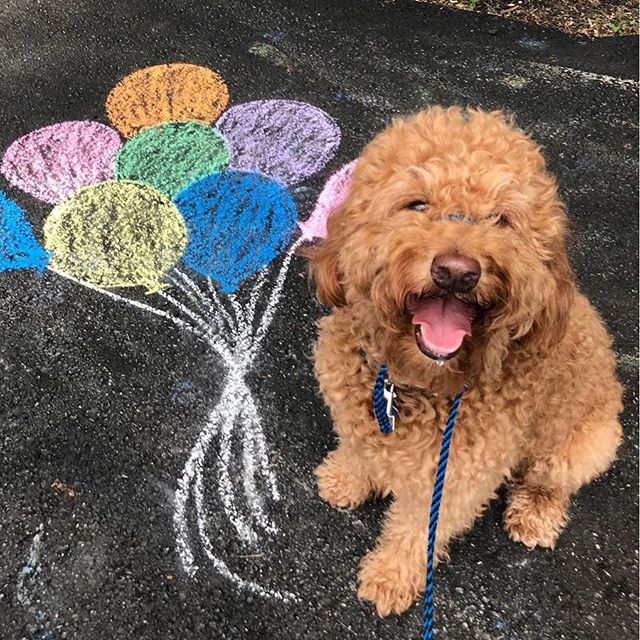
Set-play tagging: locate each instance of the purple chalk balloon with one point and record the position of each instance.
(53, 162)
(331, 197)
(283, 139)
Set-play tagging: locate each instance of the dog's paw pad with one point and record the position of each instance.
(535, 517)
(387, 583)
(340, 487)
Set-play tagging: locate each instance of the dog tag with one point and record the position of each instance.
(390, 396)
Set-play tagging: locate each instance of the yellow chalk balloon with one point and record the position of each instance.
(116, 234)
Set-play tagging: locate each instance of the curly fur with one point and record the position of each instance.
(541, 412)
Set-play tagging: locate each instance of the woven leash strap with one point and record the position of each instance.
(384, 423)
(434, 513)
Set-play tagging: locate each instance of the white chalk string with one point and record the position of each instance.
(274, 297)
(217, 342)
(250, 432)
(254, 424)
(139, 305)
(218, 301)
(227, 410)
(201, 304)
(256, 292)
(216, 311)
(221, 566)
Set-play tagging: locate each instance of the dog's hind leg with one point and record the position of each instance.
(343, 480)
(538, 500)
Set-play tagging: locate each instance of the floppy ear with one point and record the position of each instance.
(324, 269)
(551, 324)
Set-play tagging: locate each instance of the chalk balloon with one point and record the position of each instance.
(18, 247)
(284, 139)
(330, 198)
(53, 162)
(116, 234)
(237, 222)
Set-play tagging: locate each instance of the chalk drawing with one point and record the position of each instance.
(169, 156)
(237, 222)
(235, 406)
(53, 162)
(29, 588)
(18, 247)
(284, 139)
(200, 302)
(330, 198)
(116, 234)
(223, 243)
(166, 93)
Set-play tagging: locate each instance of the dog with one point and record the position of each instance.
(447, 261)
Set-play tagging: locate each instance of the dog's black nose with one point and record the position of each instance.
(455, 273)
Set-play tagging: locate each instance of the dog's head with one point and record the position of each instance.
(451, 239)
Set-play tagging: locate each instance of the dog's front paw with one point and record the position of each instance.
(390, 581)
(535, 516)
(340, 484)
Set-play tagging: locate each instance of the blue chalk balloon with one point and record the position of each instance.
(237, 222)
(18, 247)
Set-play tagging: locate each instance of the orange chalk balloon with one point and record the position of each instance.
(166, 92)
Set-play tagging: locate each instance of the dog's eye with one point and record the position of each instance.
(417, 205)
(498, 219)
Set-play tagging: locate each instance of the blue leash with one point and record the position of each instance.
(385, 410)
(434, 514)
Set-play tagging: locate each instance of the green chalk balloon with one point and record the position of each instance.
(171, 155)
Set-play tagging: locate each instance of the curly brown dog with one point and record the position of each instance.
(447, 261)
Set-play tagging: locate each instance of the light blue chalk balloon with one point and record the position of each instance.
(18, 247)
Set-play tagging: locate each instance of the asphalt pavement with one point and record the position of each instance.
(101, 403)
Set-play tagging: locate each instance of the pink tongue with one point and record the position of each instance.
(444, 322)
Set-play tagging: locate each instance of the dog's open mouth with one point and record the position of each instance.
(442, 323)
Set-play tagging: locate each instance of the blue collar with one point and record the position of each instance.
(385, 400)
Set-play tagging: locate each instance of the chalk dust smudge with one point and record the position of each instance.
(273, 55)
(29, 590)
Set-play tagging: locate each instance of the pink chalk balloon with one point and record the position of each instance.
(331, 197)
(52, 163)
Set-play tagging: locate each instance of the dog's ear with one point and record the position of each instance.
(552, 292)
(324, 268)
(551, 323)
